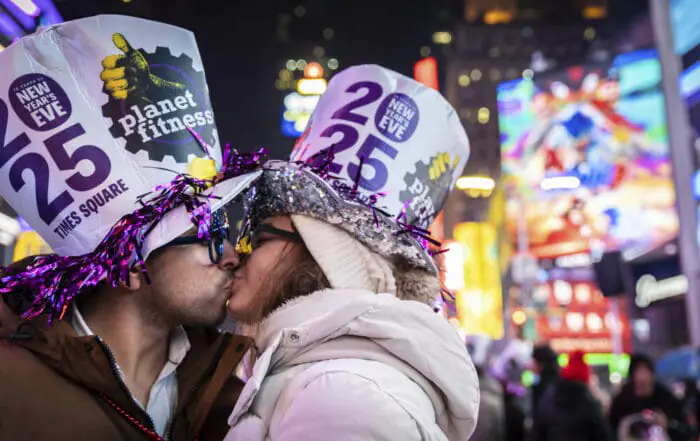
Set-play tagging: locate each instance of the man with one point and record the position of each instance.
(122, 366)
(113, 343)
(642, 394)
(491, 421)
(546, 367)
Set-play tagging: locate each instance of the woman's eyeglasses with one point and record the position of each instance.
(292, 236)
(218, 234)
(249, 242)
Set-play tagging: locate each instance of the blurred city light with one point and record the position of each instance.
(453, 260)
(301, 64)
(313, 70)
(319, 52)
(496, 16)
(519, 317)
(589, 34)
(463, 80)
(442, 37)
(28, 7)
(425, 71)
(594, 12)
(424, 51)
(476, 183)
(285, 74)
(311, 86)
(333, 64)
(560, 183)
(615, 378)
(483, 115)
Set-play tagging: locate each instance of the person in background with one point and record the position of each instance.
(602, 396)
(546, 367)
(491, 421)
(642, 393)
(508, 368)
(567, 410)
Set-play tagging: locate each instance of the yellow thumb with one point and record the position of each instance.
(202, 168)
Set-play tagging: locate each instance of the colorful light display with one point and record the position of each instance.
(585, 151)
(479, 300)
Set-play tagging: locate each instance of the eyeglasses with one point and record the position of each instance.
(218, 233)
(292, 236)
(248, 242)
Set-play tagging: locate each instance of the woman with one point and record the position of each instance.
(339, 303)
(568, 410)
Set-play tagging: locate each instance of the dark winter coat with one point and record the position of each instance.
(491, 423)
(627, 403)
(57, 386)
(568, 412)
(548, 377)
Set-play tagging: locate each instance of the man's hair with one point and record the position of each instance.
(19, 300)
(637, 360)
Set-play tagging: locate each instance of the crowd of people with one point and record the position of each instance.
(568, 403)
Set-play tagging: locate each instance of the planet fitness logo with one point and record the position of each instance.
(154, 99)
(427, 188)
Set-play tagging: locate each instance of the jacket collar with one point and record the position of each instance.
(85, 360)
(179, 343)
(298, 316)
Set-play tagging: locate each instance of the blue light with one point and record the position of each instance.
(289, 130)
(696, 185)
(9, 28)
(26, 20)
(49, 13)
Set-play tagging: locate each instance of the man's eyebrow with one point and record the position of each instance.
(189, 233)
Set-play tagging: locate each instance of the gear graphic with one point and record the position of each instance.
(177, 69)
(424, 204)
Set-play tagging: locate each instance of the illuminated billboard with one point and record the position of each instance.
(586, 155)
(479, 300)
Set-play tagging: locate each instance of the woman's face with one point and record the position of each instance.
(272, 255)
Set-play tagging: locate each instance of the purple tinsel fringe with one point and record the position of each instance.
(320, 164)
(55, 280)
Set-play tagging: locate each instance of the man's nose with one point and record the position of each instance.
(230, 259)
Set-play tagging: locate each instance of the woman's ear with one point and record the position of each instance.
(135, 279)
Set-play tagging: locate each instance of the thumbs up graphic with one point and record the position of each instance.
(128, 74)
(442, 164)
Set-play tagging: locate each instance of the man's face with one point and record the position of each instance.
(187, 288)
(643, 380)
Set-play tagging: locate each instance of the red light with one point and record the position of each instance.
(426, 71)
(313, 70)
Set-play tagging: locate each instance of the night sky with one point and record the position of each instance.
(242, 52)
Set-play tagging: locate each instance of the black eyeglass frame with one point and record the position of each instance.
(289, 235)
(218, 234)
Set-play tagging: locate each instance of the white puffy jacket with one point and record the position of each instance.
(341, 365)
